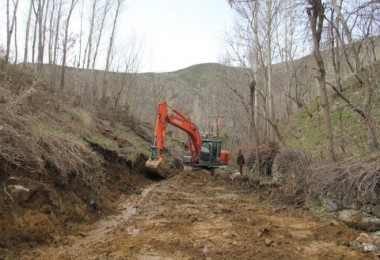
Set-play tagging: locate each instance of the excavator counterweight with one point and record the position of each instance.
(202, 153)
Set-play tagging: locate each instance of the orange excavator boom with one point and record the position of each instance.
(182, 122)
(203, 153)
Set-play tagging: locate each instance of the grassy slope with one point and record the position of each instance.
(201, 74)
(349, 130)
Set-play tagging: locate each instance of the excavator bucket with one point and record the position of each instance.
(156, 168)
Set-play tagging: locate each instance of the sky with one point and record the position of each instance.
(178, 33)
(173, 34)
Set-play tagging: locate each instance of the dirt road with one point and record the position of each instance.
(197, 216)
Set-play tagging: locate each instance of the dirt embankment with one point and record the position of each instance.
(196, 216)
(60, 165)
(36, 211)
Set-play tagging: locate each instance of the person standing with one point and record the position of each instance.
(240, 161)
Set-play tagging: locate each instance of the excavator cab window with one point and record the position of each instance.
(210, 151)
(205, 151)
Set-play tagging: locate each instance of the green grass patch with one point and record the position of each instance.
(349, 130)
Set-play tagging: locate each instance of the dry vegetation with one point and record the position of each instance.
(292, 168)
(303, 180)
(52, 178)
(35, 136)
(347, 183)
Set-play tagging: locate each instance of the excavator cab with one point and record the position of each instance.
(210, 151)
(211, 155)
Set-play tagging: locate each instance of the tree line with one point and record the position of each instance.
(266, 78)
(342, 36)
(75, 33)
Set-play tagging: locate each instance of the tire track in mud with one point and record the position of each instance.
(91, 235)
(196, 216)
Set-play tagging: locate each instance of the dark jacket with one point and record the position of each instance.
(240, 159)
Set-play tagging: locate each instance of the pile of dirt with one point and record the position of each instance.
(51, 178)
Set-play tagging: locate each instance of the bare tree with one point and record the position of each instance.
(10, 26)
(90, 35)
(34, 32)
(57, 30)
(16, 48)
(106, 8)
(80, 34)
(47, 6)
(132, 61)
(27, 33)
(110, 47)
(40, 10)
(64, 54)
(316, 13)
(363, 78)
(256, 46)
(51, 32)
(270, 102)
(252, 48)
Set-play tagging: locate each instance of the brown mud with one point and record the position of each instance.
(198, 216)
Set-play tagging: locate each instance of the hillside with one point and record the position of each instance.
(61, 164)
(200, 74)
(306, 131)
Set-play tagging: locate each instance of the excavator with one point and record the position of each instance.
(203, 153)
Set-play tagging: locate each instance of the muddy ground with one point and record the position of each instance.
(197, 216)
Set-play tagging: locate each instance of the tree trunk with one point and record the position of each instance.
(44, 28)
(40, 10)
(362, 76)
(80, 36)
(16, 49)
(316, 18)
(110, 47)
(27, 33)
(8, 32)
(90, 35)
(105, 10)
(253, 126)
(57, 32)
(271, 137)
(10, 27)
(51, 34)
(34, 34)
(253, 88)
(63, 68)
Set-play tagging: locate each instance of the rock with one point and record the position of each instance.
(364, 238)
(376, 210)
(369, 247)
(376, 236)
(367, 208)
(329, 205)
(359, 220)
(268, 242)
(334, 222)
(262, 231)
(18, 192)
(354, 244)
